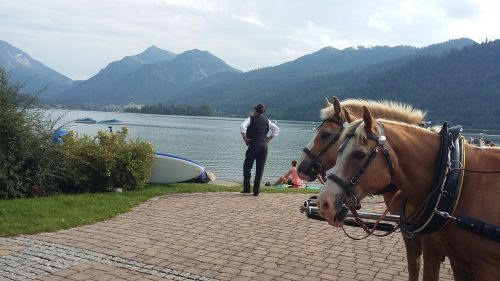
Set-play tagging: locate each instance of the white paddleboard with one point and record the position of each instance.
(170, 168)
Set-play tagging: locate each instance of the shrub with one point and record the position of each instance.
(105, 162)
(28, 157)
(32, 164)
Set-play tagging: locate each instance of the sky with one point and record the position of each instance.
(79, 37)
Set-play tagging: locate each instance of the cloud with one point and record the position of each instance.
(315, 36)
(461, 9)
(254, 20)
(200, 5)
(79, 37)
(376, 22)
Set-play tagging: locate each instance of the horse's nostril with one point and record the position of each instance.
(316, 168)
(325, 206)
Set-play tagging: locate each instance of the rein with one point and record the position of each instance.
(371, 231)
(475, 171)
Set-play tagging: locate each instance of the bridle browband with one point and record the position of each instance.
(351, 201)
(317, 165)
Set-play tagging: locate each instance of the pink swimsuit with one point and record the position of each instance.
(297, 182)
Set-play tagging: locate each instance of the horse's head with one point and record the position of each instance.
(362, 168)
(320, 155)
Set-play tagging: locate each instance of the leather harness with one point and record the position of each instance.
(438, 208)
(443, 198)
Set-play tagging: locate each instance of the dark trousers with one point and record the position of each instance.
(256, 152)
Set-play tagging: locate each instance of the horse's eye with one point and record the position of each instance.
(358, 154)
(325, 135)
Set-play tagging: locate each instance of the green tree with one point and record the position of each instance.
(28, 157)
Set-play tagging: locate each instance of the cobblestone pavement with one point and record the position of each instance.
(207, 236)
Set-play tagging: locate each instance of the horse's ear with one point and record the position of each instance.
(348, 116)
(328, 103)
(368, 119)
(337, 106)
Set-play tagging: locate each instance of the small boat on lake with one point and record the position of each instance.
(169, 168)
(112, 122)
(85, 120)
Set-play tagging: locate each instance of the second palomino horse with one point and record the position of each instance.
(464, 214)
(321, 154)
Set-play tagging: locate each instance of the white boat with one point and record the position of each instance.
(170, 168)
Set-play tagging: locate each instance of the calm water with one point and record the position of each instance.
(216, 143)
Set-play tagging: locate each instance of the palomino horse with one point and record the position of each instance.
(321, 154)
(409, 161)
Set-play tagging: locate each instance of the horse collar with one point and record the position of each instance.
(434, 212)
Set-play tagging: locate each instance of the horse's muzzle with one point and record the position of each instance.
(309, 169)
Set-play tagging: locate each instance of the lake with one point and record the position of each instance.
(214, 142)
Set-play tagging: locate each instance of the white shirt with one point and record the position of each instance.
(272, 127)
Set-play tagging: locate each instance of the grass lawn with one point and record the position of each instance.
(45, 214)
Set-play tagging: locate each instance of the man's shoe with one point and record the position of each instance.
(255, 194)
(245, 191)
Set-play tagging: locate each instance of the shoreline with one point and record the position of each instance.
(226, 183)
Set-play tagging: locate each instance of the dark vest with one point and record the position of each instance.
(258, 128)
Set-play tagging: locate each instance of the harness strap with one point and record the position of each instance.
(346, 186)
(311, 154)
(389, 188)
(338, 122)
(383, 142)
(332, 142)
(362, 170)
(484, 229)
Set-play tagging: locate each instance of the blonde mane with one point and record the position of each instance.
(380, 109)
(357, 128)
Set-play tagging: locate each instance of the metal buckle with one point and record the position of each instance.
(382, 140)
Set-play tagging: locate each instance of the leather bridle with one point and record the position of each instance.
(351, 201)
(317, 165)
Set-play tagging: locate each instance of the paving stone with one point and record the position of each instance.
(208, 236)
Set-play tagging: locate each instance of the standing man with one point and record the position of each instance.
(254, 132)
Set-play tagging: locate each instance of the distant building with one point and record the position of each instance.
(134, 106)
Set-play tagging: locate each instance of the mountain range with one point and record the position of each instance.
(108, 78)
(462, 86)
(296, 89)
(34, 75)
(455, 80)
